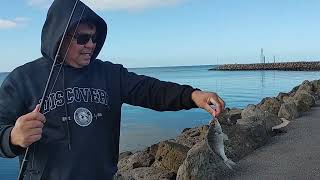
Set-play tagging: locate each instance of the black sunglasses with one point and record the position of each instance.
(83, 39)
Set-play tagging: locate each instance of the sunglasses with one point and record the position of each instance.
(83, 39)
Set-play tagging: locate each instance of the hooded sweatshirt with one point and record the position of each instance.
(82, 106)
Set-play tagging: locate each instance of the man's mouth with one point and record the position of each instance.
(89, 54)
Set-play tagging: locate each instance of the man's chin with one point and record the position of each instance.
(85, 62)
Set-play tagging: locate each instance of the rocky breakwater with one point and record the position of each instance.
(285, 66)
(190, 156)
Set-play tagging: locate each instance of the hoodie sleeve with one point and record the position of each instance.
(152, 93)
(11, 107)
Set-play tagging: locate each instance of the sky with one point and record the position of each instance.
(151, 33)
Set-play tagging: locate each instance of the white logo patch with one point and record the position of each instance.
(83, 117)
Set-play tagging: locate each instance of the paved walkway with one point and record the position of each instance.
(294, 155)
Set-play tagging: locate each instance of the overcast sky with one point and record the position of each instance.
(145, 33)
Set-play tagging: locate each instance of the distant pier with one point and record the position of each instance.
(283, 66)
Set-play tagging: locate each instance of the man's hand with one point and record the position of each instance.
(205, 99)
(28, 128)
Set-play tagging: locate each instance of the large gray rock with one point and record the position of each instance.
(254, 113)
(119, 176)
(293, 91)
(190, 136)
(244, 137)
(316, 88)
(146, 173)
(304, 100)
(230, 116)
(202, 164)
(306, 86)
(271, 105)
(143, 158)
(251, 110)
(282, 97)
(125, 154)
(247, 135)
(316, 85)
(288, 110)
(170, 155)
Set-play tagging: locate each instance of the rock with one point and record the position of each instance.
(124, 154)
(202, 164)
(170, 155)
(316, 88)
(146, 173)
(139, 159)
(288, 110)
(153, 149)
(303, 100)
(252, 131)
(246, 136)
(293, 91)
(270, 121)
(251, 110)
(235, 114)
(119, 176)
(254, 113)
(306, 86)
(271, 105)
(191, 136)
(230, 116)
(282, 97)
(289, 66)
(316, 85)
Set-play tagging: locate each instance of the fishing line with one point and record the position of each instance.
(25, 158)
(65, 56)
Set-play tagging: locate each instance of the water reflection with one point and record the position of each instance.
(262, 78)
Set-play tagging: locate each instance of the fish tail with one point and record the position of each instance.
(229, 163)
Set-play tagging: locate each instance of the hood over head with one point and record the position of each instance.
(57, 20)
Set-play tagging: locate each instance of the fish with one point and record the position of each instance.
(216, 139)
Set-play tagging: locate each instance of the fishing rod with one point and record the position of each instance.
(24, 164)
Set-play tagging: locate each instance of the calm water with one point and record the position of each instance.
(142, 127)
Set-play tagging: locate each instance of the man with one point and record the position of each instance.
(75, 134)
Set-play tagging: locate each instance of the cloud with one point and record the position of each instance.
(114, 4)
(21, 19)
(40, 3)
(128, 4)
(9, 24)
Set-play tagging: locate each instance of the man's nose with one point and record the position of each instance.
(90, 44)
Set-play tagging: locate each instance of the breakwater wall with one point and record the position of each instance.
(283, 66)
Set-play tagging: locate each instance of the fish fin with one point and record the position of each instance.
(225, 137)
(229, 163)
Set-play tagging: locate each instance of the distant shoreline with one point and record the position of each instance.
(283, 66)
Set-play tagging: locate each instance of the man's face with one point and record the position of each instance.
(82, 45)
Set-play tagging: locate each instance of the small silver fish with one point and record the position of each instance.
(216, 139)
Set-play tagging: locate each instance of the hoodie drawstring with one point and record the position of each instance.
(66, 111)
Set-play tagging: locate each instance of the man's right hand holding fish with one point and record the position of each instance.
(212, 103)
(204, 99)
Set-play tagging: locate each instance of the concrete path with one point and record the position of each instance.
(294, 155)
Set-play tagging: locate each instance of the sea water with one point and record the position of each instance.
(142, 127)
